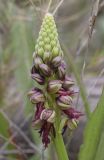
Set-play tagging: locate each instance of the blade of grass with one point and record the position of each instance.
(100, 151)
(93, 132)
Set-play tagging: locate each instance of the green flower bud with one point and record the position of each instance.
(47, 56)
(48, 39)
(44, 34)
(47, 47)
(41, 44)
(48, 31)
(52, 36)
(53, 43)
(55, 51)
(40, 52)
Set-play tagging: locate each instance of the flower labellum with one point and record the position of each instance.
(68, 92)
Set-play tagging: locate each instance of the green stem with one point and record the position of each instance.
(58, 139)
(60, 147)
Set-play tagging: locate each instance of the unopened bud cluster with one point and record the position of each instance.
(49, 70)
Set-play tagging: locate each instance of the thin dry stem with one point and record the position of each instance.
(14, 134)
(20, 131)
(19, 149)
(49, 5)
(94, 13)
(60, 3)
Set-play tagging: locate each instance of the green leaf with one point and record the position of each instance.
(93, 132)
(100, 152)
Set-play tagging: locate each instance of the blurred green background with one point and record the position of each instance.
(20, 22)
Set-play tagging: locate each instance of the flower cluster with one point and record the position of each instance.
(49, 71)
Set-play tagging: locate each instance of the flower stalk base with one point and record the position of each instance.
(60, 147)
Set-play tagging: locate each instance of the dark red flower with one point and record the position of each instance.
(44, 132)
(44, 125)
(72, 113)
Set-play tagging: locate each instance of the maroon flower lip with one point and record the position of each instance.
(44, 133)
(68, 92)
(39, 109)
(72, 113)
